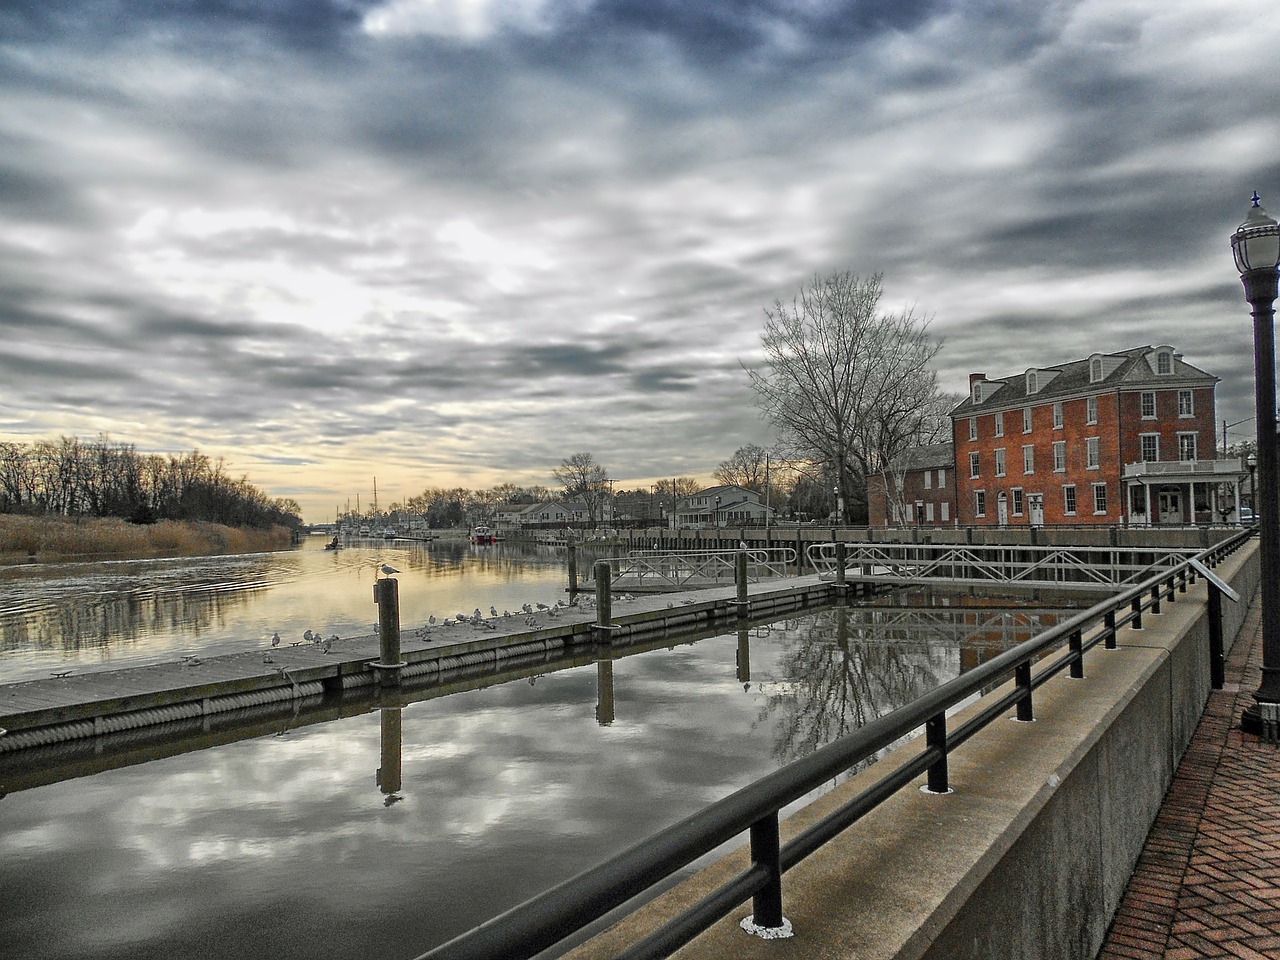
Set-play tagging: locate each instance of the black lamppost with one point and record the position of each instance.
(1251, 462)
(1256, 247)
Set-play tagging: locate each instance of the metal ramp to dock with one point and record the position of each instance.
(662, 571)
(1089, 568)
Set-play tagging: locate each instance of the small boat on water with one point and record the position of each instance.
(332, 544)
(483, 533)
(389, 533)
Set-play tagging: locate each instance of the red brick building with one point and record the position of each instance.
(919, 490)
(1115, 438)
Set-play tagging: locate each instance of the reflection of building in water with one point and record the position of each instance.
(388, 775)
(604, 692)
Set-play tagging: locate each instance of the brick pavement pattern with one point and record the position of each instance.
(1208, 881)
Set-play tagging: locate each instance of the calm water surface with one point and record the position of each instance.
(291, 844)
(106, 615)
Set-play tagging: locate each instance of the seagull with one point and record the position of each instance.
(388, 569)
(526, 608)
(327, 644)
(275, 639)
(476, 614)
(308, 636)
(432, 619)
(542, 606)
(493, 611)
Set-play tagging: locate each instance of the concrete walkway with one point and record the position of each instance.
(1208, 881)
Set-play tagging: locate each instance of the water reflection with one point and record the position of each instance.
(90, 616)
(464, 797)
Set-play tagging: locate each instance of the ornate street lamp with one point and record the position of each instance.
(1251, 463)
(1256, 247)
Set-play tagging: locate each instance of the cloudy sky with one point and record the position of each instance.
(454, 241)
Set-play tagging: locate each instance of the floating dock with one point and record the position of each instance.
(75, 706)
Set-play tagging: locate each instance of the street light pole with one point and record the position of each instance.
(1256, 247)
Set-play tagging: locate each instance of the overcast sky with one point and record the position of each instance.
(451, 242)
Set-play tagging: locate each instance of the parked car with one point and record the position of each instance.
(1247, 516)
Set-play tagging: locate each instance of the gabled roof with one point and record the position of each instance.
(1128, 369)
(926, 457)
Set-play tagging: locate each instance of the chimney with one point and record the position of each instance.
(974, 378)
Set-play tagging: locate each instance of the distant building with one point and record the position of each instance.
(918, 489)
(722, 506)
(1113, 438)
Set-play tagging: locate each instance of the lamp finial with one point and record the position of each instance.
(1256, 199)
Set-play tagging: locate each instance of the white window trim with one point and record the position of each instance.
(1028, 462)
(1090, 409)
(1018, 501)
(1094, 492)
(1026, 419)
(1072, 488)
(1000, 461)
(1195, 443)
(973, 428)
(1142, 402)
(1060, 446)
(1191, 403)
(1092, 453)
(999, 424)
(975, 466)
(945, 508)
(1057, 415)
(980, 503)
(1145, 436)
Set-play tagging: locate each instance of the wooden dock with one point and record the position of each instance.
(81, 705)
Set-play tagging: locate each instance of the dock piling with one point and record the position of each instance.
(386, 594)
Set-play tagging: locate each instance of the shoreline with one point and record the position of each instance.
(40, 540)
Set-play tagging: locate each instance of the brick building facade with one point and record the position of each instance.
(918, 491)
(1113, 438)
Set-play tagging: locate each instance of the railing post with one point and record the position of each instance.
(1172, 589)
(766, 904)
(1109, 621)
(1155, 599)
(1074, 642)
(935, 737)
(573, 569)
(1136, 606)
(1217, 670)
(1182, 580)
(1022, 677)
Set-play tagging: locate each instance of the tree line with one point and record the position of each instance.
(100, 478)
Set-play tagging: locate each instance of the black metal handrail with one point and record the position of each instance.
(550, 917)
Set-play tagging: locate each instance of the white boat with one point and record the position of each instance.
(482, 533)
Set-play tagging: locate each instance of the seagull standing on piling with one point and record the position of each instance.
(388, 569)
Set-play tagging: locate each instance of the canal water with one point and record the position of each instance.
(373, 833)
(96, 616)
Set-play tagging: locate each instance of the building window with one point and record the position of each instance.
(928, 479)
(942, 477)
(1095, 369)
(973, 465)
(1187, 446)
(928, 512)
(1017, 501)
(1026, 419)
(1091, 410)
(1069, 500)
(1000, 462)
(973, 428)
(1091, 455)
(977, 393)
(1099, 498)
(1148, 405)
(1057, 416)
(999, 424)
(979, 503)
(910, 514)
(1186, 404)
(945, 507)
(1060, 457)
(1164, 363)
(1150, 447)
(1029, 459)
(1031, 382)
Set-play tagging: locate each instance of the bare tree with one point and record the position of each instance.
(746, 468)
(845, 385)
(583, 479)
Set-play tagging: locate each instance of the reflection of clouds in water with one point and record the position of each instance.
(507, 790)
(128, 612)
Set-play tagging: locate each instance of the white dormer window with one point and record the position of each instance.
(1095, 369)
(977, 393)
(1164, 363)
(1031, 381)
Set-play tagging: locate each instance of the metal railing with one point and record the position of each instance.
(566, 909)
(1079, 567)
(676, 570)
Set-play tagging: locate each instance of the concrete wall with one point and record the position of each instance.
(1030, 855)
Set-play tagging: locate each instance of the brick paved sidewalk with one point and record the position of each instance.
(1208, 881)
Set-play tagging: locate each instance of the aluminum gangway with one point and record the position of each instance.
(652, 571)
(1089, 568)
